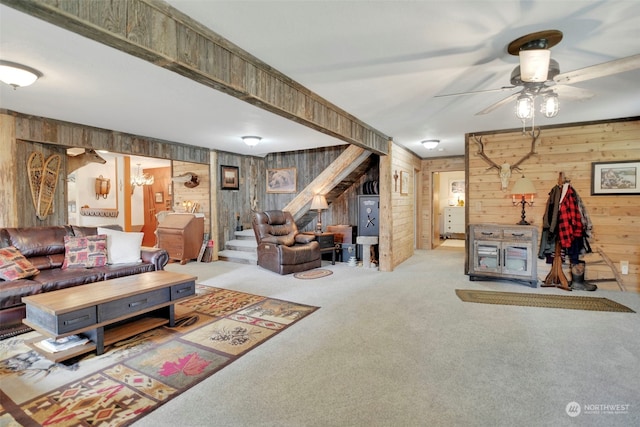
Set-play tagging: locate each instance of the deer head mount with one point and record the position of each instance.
(89, 156)
(504, 170)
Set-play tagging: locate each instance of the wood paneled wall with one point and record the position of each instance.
(401, 215)
(243, 202)
(570, 149)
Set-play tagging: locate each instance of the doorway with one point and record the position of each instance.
(448, 208)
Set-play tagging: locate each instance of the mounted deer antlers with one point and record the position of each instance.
(505, 169)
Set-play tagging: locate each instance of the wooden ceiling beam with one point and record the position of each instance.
(158, 33)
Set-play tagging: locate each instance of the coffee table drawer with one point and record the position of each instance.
(183, 290)
(62, 323)
(133, 304)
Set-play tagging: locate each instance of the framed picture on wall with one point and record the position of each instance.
(615, 178)
(159, 196)
(404, 182)
(281, 180)
(456, 186)
(229, 177)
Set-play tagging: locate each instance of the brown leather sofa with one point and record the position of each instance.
(281, 247)
(44, 248)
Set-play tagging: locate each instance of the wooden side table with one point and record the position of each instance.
(327, 244)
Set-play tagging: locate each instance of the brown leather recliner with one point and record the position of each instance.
(281, 247)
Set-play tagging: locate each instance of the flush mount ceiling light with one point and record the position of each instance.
(430, 144)
(17, 75)
(251, 141)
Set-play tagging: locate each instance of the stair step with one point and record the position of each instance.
(239, 257)
(241, 245)
(245, 235)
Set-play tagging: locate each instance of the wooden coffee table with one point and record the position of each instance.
(106, 311)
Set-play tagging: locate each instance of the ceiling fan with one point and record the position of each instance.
(539, 75)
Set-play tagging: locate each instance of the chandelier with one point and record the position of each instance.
(141, 179)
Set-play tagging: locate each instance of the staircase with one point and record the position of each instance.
(242, 249)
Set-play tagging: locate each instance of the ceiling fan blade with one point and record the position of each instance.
(498, 104)
(599, 70)
(571, 92)
(503, 88)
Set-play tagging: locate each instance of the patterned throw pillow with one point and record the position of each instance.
(13, 265)
(85, 252)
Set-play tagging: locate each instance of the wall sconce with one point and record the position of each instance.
(521, 189)
(17, 75)
(190, 206)
(103, 186)
(251, 141)
(319, 203)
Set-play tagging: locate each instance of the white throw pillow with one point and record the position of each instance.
(122, 247)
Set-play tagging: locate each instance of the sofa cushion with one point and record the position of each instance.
(35, 241)
(54, 279)
(85, 252)
(11, 293)
(13, 265)
(287, 240)
(122, 247)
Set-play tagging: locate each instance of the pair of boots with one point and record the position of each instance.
(577, 278)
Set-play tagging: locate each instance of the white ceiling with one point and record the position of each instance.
(382, 61)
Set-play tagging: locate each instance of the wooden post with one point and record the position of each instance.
(556, 276)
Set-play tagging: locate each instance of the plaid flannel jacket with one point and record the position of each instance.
(569, 220)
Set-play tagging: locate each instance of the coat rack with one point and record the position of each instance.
(556, 276)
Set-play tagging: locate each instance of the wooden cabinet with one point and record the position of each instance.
(502, 251)
(453, 221)
(181, 235)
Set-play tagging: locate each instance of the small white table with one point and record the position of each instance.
(366, 242)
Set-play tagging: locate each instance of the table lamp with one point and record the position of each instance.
(522, 189)
(319, 203)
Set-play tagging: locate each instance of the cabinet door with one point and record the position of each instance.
(486, 257)
(517, 259)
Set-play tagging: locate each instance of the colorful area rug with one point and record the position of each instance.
(313, 274)
(541, 300)
(137, 375)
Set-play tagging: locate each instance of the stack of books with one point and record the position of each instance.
(62, 344)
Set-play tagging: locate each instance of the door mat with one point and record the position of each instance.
(136, 375)
(571, 302)
(313, 274)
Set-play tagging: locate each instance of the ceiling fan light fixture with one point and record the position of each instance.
(534, 65)
(251, 141)
(430, 144)
(17, 75)
(550, 105)
(524, 106)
